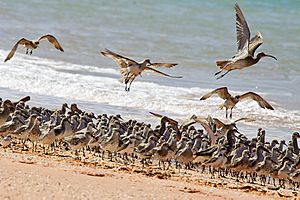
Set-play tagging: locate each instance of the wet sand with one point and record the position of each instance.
(26, 175)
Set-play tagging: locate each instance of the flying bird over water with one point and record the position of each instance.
(246, 47)
(231, 101)
(33, 44)
(130, 69)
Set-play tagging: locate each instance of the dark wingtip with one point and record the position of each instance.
(27, 98)
(236, 5)
(103, 52)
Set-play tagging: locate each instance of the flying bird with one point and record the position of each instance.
(130, 69)
(33, 44)
(231, 101)
(244, 56)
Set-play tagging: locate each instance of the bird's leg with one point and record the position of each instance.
(132, 79)
(218, 72)
(32, 146)
(223, 75)
(226, 113)
(83, 152)
(26, 50)
(30, 52)
(44, 149)
(230, 113)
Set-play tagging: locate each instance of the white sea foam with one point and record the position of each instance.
(101, 85)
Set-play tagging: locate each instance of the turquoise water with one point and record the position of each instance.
(192, 33)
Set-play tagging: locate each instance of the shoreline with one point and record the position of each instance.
(93, 177)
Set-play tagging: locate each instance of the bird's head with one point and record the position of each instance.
(8, 103)
(296, 135)
(65, 105)
(262, 54)
(147, 61)
(234, 125)
(275, 142)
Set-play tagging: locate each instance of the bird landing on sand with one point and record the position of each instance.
(231, 101)
(130, 69)
(246, 47)
(33, 44)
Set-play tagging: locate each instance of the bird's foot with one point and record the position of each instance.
(220, 77)
(218, 73)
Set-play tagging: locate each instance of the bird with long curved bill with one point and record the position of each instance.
(130, 69)
(246, 47)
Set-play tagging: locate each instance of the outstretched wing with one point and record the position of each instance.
(156, 114)
(246, 119)
(24, 99)
(187, 123)
(221, 92)
(159, 72)
(168, 65)
(255, 42)
(22, 41)
(242, 29)
(52, 40)
(122, 61)
(219, 124)
(168, 119)
(261, 102)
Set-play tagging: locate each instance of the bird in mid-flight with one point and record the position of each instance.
(246, 47)
(130, 69)
(33, 44)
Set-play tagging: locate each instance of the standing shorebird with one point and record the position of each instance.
(231, 101)
(130, 69)
(5, 111)
(246, 47)
(33, 44)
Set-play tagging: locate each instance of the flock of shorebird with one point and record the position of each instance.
(221, 147)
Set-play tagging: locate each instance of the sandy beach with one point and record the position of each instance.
(26, 175)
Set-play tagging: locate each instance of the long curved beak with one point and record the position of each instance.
(271, 56)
